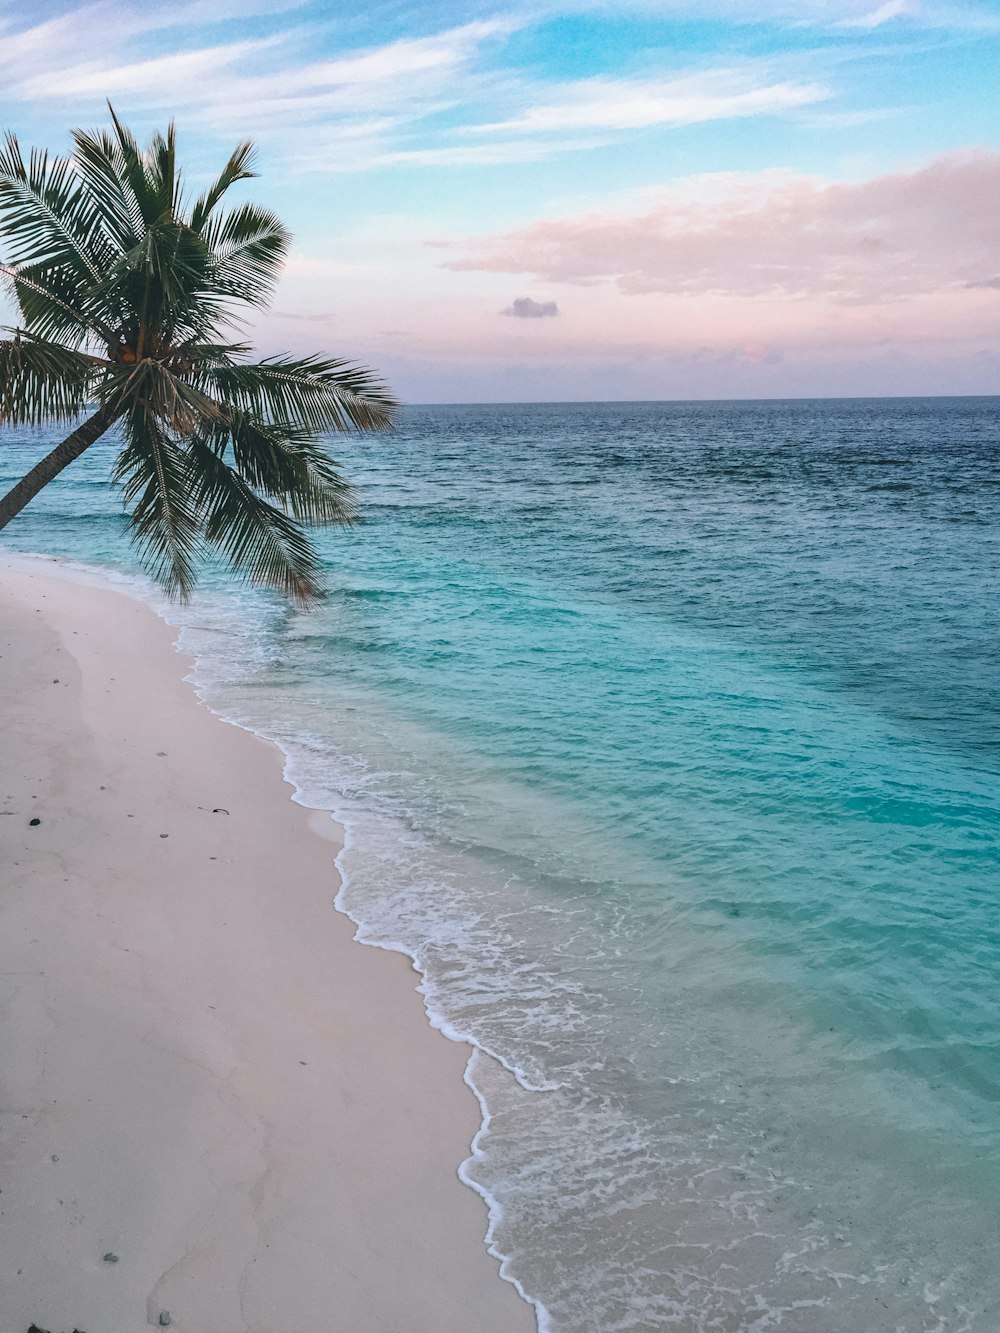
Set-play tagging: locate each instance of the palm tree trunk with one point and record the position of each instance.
(52, 464)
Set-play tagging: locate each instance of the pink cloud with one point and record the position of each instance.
(777, 236)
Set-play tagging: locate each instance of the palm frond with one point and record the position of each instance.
(155, 475)
(284, 461)
(140, 174)
(238, 168)
(49, 308)
(209, 356)
(258, 540)
(41, 381)
(247, 247)
(329, 497)
(322, 394)
(53, 235)
(162, 173)
(107, 176)
(47, 218)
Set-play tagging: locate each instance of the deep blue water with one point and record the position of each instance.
(668, 737)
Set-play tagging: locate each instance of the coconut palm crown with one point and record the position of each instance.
(127, 302)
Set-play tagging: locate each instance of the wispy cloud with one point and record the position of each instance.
(587, 114)
(441, 98)
(488, 154)
(400, 83)
(777, 235)
(417, 100)
(929, 14)
(31, 44)
(624, 104)
(892, 9)
(261, 85)
(184, 73)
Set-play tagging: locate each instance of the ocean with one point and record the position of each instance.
(666, 737)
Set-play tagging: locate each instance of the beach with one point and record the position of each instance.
(218, 1111)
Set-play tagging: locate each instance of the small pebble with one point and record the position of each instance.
(55, 1157)
(164, 1318)
(110, 1258)
(33, 822)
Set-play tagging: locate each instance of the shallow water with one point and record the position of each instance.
(667, 740)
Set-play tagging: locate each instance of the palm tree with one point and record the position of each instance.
(126, 305)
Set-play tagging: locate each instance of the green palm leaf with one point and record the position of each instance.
(238, 168)
(47, 217)
(283, 461)
(258, 539)
(42, 381)
(124, 300)
(326, 395)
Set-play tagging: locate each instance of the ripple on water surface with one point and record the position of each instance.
(667, 739)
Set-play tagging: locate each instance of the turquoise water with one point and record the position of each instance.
(667, 738)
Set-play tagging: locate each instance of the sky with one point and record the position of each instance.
(580, 199)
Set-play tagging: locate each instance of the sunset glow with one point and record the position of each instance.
(707, 199)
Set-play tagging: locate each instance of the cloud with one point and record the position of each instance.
(471, 155)
(775, 235)
(892, 9)
(264, 85)
(437, 100)
(184, 73)
(629, 104)
(319, 96)
(598, 109)
(926, 14)
(523, 307)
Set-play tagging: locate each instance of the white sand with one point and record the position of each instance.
(200, 1072)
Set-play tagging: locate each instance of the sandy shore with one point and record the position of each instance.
(200, 1073)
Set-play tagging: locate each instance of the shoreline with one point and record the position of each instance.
(206, 1077)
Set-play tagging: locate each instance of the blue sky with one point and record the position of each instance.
(579, 199)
